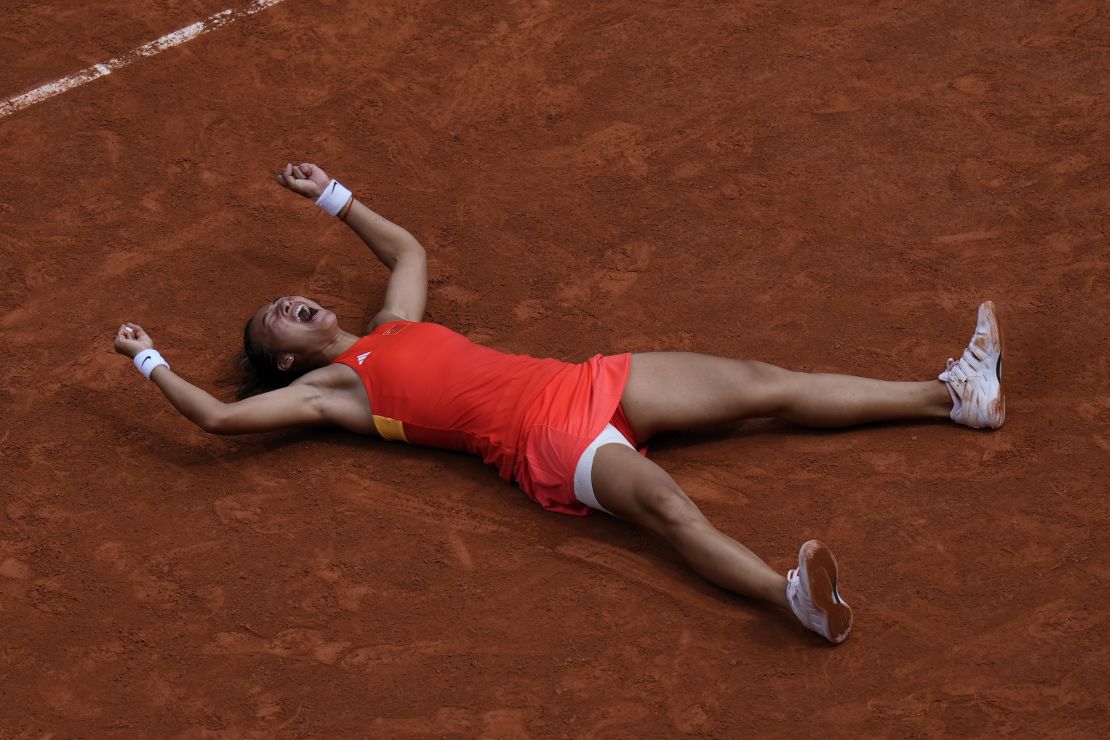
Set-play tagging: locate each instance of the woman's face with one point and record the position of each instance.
(293, 325)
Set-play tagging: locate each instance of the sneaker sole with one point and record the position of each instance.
(997, 408)
(822, 573)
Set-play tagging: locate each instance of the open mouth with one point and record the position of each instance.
(305, 314)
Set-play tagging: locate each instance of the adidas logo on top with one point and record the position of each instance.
(362, 358)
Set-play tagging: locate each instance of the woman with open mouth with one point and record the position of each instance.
(572, 436)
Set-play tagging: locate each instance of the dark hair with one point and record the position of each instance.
(257, 368)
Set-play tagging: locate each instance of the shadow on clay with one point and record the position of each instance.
(616, 547)
(637, 556)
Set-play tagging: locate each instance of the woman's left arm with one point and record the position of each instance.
(301, 404)
(407, 291)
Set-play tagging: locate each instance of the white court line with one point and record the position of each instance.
(170, 40)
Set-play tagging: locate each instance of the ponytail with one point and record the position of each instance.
(257, 369)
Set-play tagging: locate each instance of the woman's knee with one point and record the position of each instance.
(667, 507)
(768, 386)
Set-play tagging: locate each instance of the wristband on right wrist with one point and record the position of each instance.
(147, 360)
(334, 197)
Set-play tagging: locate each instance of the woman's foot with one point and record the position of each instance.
(975, 380)
(811, 590)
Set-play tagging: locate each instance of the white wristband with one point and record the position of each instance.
(147, 360)
(334, 197)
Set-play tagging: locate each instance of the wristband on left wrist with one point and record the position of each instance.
(147, 360)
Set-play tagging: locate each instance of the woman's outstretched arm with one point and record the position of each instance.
(300, 404)
(407, 291)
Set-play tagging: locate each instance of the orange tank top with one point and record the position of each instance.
(430, 386)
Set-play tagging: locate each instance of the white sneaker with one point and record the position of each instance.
(811, 591)
(975, 380)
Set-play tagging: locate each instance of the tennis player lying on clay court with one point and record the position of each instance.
(570, 435)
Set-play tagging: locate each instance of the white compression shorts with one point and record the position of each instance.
(583, 472)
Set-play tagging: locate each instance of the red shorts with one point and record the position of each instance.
(569, 413)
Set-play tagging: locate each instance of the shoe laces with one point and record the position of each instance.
(793, 583)
(795, 592)
(971, 363)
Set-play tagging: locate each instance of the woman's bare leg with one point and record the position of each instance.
(637, 490)
(683, 390)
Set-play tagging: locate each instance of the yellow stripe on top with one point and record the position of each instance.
(390, 429)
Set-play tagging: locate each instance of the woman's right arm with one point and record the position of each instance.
(297, 405)
(407, 291)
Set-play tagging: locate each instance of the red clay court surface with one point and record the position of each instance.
(820, 186)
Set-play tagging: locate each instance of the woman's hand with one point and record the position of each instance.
(131, 340)
(304, 179)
